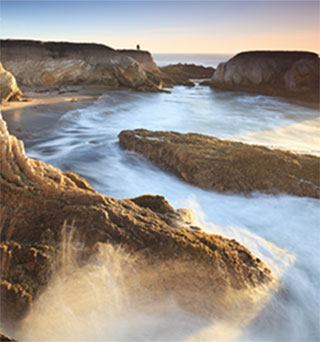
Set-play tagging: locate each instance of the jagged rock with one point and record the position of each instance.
(227, 166)
(36, 63)
(25, 269)
(8, 86)
(204, 273)
(275, 73)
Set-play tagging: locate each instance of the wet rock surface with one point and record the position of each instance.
(275, 73)
(204, 273)
(227, 166)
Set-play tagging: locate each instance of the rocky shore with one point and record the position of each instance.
(227, 166)
(39, 202)
(276, 73)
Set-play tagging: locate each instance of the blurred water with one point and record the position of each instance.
(282, 230)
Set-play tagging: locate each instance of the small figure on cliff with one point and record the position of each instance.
(138, 47)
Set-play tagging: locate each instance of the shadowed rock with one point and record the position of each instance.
(227, 166)
(188, 71)
(204, 273)
(36, 63)
(275, 73)
(8, 86)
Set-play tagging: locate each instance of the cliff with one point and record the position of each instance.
(227, 166)
(36, 63)
(275, 73)
(39, 202)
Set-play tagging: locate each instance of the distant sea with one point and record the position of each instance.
(202, 59)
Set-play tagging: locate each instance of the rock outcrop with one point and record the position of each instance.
(204, 273)
(188, 71)
(275, 73)
(171, 75)
(36, 63)
(227, 166)
(144, 58)
(8, 86)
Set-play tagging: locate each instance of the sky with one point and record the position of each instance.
(168, 26)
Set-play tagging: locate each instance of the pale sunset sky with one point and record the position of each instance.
(168, 26)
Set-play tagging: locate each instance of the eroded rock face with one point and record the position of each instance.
(204, 273)
(276, 73)
(227, 166)
(144, 58)
(8, 86)
(36, 63)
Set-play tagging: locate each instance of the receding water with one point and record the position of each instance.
(282, 230)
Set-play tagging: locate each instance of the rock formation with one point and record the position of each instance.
(204, 273)
(36, 63)
(171, 75)
(275, 73)
(8, 86)
(227, 166)
(188, 71)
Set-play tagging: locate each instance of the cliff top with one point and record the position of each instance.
(277, 54)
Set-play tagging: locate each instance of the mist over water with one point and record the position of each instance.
(282, 230)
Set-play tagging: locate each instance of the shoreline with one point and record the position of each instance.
(41, 108)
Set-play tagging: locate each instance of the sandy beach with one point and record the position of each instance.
(41, 107)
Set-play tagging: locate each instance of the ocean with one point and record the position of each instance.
(281, 230)
(207, 60)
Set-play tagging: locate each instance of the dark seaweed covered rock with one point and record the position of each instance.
(227, 166)
(276, 73)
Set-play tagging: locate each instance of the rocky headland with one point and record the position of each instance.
(227, 166)
(276, 73)
(37, 63)
(58, 64)
(205, 273)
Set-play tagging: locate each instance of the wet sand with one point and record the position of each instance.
(40, 108)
